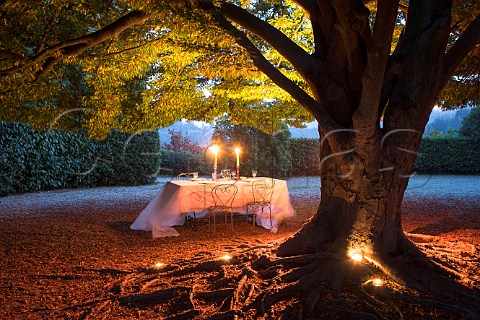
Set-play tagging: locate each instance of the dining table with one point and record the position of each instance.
(179, 198)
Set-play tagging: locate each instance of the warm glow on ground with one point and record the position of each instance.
(377, 282)
(355, 255)
(159, 265)
(226, 257)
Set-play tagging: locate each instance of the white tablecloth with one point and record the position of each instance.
(177, 198)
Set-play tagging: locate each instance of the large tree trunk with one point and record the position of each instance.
(361, 198)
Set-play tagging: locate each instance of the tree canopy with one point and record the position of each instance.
(144, 64)
(471, 125)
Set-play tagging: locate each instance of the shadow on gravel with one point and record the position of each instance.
(120, 226)
(442, 226)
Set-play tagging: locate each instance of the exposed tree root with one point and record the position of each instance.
(303, 242)
(256, 284)
(416, 271)
(98, 309)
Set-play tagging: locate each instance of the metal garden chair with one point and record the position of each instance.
(184, 175)
(223, 196)
(262, 191)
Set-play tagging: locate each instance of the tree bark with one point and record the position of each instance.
(361, 196)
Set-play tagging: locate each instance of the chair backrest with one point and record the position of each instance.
(184, 175)
(263, 190)
(224, 194)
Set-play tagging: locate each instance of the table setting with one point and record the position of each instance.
(178, 198)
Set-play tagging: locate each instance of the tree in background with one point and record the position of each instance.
(471, 125)
(268, 154)
(443, 122)
(369, 72)
(179, 143)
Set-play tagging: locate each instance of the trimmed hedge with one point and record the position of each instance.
(31, 160)
(174, 163)
(458, 155)
(305, 157)
(448, 155)
(268, 154)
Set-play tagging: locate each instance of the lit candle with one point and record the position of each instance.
(215, 151)
(237, 151)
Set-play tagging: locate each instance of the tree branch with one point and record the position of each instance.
(76, 46)
(310, 6)
(377, 53)
(298, 57)
(132, 48)
(326, 91)
(469, 39)
(419, 56)
(325, 121)
(400, 6)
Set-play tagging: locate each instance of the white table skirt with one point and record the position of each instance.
(177, 198)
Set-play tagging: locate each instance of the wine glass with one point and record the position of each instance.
(254, 173)
(195, 176)
(222, 173)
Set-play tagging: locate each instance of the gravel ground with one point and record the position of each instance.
(419, 186)
(65, 253)
(442, 188)
(58, 199)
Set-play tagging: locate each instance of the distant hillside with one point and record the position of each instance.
(201, 132)
(445, 120)
(198, 132)
(311, 131)
(439, 120)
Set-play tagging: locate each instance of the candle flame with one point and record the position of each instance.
(237, 150)
(214, 149)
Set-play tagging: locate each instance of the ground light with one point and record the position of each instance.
(377, 282)
(356, 255)
(159, 265)
(226, 257)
